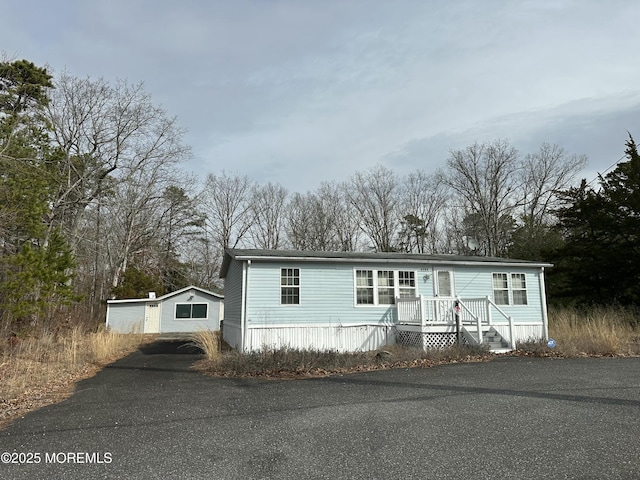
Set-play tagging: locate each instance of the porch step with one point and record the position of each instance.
(495, 341)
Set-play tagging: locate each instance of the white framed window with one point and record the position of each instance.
(191, 310)
(519, 288)
(289, 286)
(382, 287)
(510, 289)
(364, 287)
(501, 288)
(386, 288)
(406, 284)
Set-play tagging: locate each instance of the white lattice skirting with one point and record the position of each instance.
(426, 340)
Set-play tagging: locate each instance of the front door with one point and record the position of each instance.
(152, 318)
(444, 292)
(444, 283)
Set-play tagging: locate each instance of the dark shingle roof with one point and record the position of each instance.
(356, 257)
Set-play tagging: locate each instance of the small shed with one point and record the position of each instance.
(186, 310)
(357, 301)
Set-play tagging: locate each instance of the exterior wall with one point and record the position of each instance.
(169, 322)
(233, 294)
(126, 317)
(232, 334)
(327, 293)
(476, 282)
(129, 316)
(321, 338)
(327, 317)
(523, 333)
(327, 297)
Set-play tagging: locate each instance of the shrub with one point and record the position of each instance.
(288, 362)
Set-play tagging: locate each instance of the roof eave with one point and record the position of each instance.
(430, 261)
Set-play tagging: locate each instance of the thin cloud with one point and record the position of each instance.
(299, 92)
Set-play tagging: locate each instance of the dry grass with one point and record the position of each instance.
(294, 363)
(42, 368)
(209, 342)
(598, 331)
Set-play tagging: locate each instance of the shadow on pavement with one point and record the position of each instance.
(172, 347)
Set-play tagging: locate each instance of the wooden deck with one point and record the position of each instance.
(479, 321)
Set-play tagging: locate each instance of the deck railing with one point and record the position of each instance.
(476, 314)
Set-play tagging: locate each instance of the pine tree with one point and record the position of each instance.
(600, 261)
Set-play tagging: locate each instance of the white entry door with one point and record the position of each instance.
(443, 285)
(444, 291)
(152, 318)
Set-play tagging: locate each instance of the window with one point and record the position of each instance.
(191, 310)
(382, 287)
(386, 288)
(290, 286)
(500, 289)
(445, 288)
(364, 287)
(519, 288)
(406, 284)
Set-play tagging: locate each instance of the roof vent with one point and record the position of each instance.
(152, 294)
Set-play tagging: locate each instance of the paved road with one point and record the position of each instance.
(149, 416)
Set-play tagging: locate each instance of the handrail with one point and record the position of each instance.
(475, 318)
(475, 312)
(498, 309)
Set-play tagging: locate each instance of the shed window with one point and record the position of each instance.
(519, 288)
(290, 286)
(500, 289)
(191, 310)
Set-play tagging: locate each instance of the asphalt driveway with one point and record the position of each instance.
(150, 416)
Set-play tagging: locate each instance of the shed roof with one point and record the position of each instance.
(168, 295)
(360, 257)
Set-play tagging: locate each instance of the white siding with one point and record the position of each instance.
(321, 338)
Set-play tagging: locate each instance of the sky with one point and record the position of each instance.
(304, 91)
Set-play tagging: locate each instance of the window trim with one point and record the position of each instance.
(510, 289)
(505, 288)
(190, 317)
(519, 289)
(375, 287)
(284, 274)
(412, 278)
(366, 287)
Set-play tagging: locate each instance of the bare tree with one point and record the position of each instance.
(424, 200)
(227, 201)
(375, 196)
(487, 179)
(301, 213)
(547, 172)
(135, 216)
(268, 205)
(104, 132)
(319, 220)
(344, 216)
